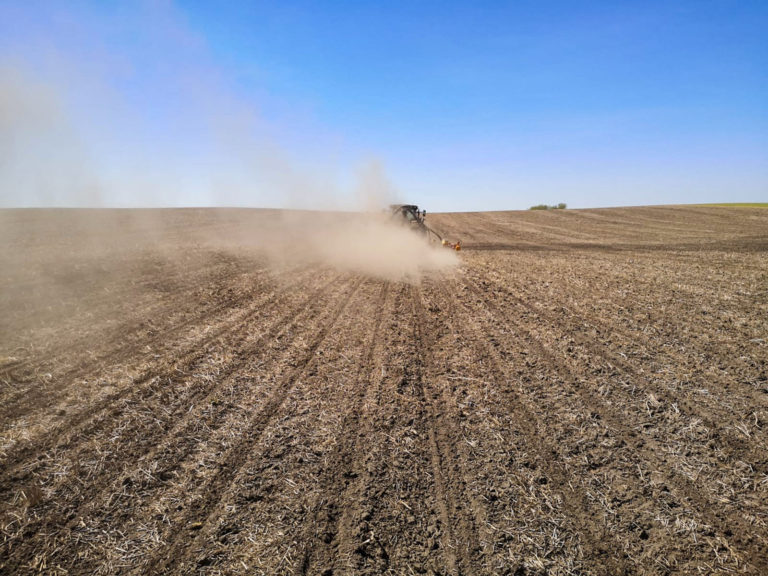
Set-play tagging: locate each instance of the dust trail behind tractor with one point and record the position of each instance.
(410, 215)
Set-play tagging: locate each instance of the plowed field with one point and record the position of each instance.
(585, 393)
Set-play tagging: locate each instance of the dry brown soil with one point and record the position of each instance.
(587, 393)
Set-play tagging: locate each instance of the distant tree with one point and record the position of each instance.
(561, 206)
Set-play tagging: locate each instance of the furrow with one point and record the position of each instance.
(159, 376)
(40, 397)
(157, 426)
(320, 538)
(677, 489)
(536, 462)
(456, 525)
(205, 507)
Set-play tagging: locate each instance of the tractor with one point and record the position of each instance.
(410, 215)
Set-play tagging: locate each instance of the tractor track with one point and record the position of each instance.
(87, 497)
(448, 452)
(717, 402)
(165, 557)
(142, 387)
(389, 482)
(597, 544)
(732, 445)
(342, 527)
(645, 446)
(322, 540)
(292, 467)
(346, 536)
(208, 433)
(26, 400)
(446, 500)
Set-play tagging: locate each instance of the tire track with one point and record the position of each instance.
(465, 426)
(321, 539)
(282, 480)
(29, 400)
(163, 560)
(167, 478)
(390, 491)
(599, 547)
(575, 330)
(459, 534)
(143, 386)
(735, 528)
(355, 545)
(90, 495)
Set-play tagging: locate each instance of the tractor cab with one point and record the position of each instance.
(409, 213)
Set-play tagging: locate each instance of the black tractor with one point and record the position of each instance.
(410, 215)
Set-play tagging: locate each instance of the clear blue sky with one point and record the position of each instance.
(455, 106)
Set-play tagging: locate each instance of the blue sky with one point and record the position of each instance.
(454, 106)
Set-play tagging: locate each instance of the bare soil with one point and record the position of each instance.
(587, 393)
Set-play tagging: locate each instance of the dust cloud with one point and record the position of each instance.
(368, 243)
(76, 133)
(43, 161)
(367, 239)
(357, 235)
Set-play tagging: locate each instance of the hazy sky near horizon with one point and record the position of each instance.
(450, 105)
